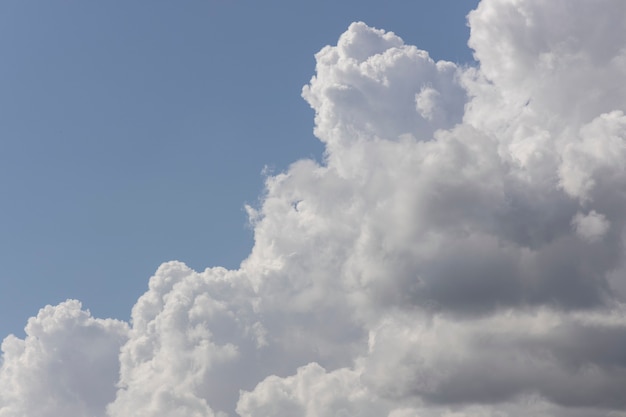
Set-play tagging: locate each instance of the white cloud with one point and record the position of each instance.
(312, 391)
(459, 253)
(67, 364)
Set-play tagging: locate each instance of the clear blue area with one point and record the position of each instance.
(133, 132)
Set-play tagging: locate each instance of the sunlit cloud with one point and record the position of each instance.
(459, 252)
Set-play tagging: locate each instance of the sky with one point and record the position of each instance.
(353, 209)
(134, 133)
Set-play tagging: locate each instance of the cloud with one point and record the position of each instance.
(458, 253)
(590, 227)
(67, 364)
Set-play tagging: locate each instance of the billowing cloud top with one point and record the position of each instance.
(460, 252)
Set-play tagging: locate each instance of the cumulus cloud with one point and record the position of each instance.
(67, 365)
(460, 252)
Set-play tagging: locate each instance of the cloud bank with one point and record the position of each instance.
(460, 252)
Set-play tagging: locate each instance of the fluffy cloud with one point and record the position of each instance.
(67, 364)
(458, 253)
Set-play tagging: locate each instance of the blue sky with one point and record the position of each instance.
(133, 133)
(453, 244)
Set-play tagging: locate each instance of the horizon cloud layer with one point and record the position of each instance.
(459, 252)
